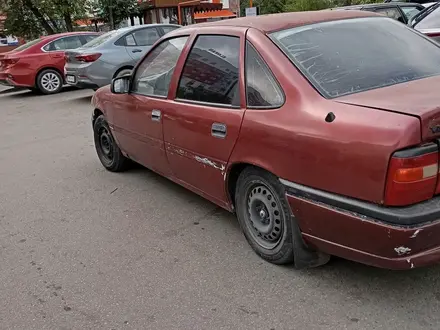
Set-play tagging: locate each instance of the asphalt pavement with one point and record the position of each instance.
(82, 248)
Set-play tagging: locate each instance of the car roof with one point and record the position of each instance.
(380, 5)
(66, 34)
(275, 22)
(136, 27)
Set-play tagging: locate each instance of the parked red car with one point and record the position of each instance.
(39, 64)
(319, 129)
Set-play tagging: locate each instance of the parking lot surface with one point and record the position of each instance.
(82, 248)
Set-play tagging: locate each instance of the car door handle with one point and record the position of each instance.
(156, 115)
(218, 130)
(136, 51)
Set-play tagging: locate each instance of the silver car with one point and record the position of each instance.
(111, 55)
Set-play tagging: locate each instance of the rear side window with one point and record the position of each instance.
(211, 71)
(262, 90)
(64, 44)
(146, 37)
(350, 56)
(89, 37)
(129, 40)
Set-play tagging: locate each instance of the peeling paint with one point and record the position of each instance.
(401, 250)
(416, 233)
(208, 162)
(409, 261)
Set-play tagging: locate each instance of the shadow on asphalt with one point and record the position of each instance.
(25, 93)
(83, 99)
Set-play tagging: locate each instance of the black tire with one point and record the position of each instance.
(264, 215)
(106, 147)
(123, 72)
(49, 82)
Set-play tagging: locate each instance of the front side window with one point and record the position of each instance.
(211, 71)
(262, 90)
(64, 44)
(350, 56)
(146, 37)
(154, 74)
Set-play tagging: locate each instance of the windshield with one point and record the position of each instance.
(27, 45)
(350, 56)
(101, 39)
(428, 19)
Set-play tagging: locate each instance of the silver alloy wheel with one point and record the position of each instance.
(50, 82)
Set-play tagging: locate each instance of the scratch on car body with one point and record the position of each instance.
(401, 250)
(208, 162)
(409, 261)
(416, 233)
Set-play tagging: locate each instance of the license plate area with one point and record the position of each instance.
(70, 79)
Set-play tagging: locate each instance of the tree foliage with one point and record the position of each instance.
(115, 11)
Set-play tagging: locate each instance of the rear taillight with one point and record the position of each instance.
(88, 58)
(412, 176)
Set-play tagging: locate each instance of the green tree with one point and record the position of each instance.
(305, 5)
(115, 11)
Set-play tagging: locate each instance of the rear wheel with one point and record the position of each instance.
(108, 151)
(123, 72)
(49, 82)
(264, 215)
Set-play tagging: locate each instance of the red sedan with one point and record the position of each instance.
(320, 130)
(39, 64)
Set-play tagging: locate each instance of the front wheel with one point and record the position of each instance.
(108, 151)
(264, 215)
(49, 82)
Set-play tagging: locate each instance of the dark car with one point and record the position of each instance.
(400, 11)
(428, 22)
(320, 130)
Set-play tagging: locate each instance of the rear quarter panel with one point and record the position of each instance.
(348, 156)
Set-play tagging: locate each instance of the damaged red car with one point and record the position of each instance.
(320, 130)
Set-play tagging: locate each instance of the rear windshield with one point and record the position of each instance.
(101, 39)
(27, 45)
(350, 56)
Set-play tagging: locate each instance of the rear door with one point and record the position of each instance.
(202, 125)
(140, 41)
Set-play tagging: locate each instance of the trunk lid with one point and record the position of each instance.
(70, 56)
(418, 98)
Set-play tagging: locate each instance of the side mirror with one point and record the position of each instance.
(121, 85)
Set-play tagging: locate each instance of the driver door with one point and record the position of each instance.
(137, 116)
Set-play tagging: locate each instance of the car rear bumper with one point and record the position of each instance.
(393, 238)
(7, 79)
(90, 76)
